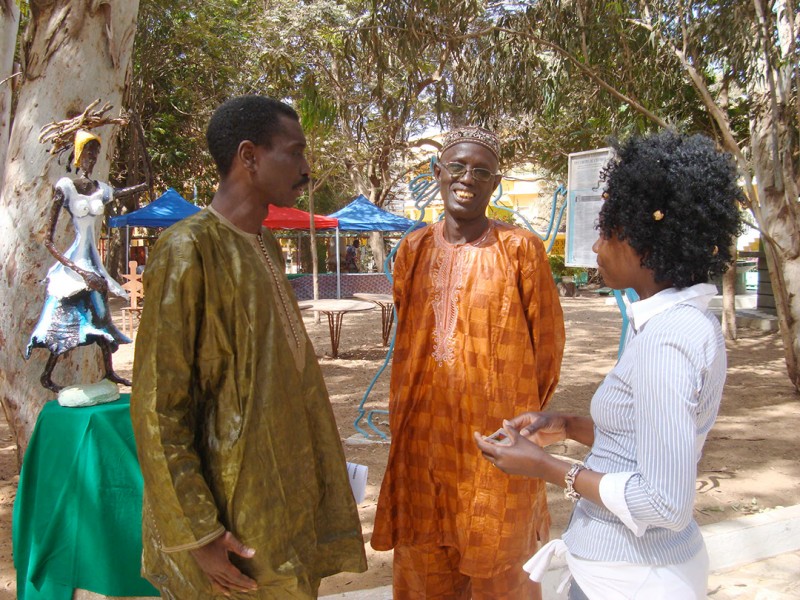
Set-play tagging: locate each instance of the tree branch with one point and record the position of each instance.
(792, 50)
(581, 20)
(763, 37)
(321, 179)
(587, 70)
(729, 142)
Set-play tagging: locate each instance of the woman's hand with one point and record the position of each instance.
(541, 428)
(515, 456)
(95, 281)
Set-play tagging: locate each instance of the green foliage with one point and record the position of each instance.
(498, 214)
(188, 58)
(327, 199)
(560, 270)
(368, 78)
(377, 68)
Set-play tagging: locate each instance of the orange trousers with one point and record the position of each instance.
(431, 573)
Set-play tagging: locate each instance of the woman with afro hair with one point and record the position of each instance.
(667, 225)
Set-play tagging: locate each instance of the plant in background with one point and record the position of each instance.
(560, 270)
(498, 214)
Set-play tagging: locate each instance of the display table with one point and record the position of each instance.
(78, 512)
(386, 302)
(335, 309)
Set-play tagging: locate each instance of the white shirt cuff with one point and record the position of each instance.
(612, 493)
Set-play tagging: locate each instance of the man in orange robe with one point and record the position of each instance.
(480, 336)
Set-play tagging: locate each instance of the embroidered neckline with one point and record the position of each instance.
(448, 277)
(473, 244)
(486, 233)
(447, 282)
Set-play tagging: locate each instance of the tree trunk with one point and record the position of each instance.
(778, 219)
(729, 300)
(376, 237)
(781, 249)
(772, 143)
(9, 24)
(76, 51)
(312, 234)
(115, 252)
(378, 249)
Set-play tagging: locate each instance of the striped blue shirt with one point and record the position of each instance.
(651, 417)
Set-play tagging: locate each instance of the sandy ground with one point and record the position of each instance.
(749, 463)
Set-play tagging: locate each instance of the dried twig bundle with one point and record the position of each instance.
(62, 133)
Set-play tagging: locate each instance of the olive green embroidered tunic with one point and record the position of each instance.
(233, 424)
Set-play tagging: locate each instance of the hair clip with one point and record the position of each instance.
(658, 215)
(605, 195)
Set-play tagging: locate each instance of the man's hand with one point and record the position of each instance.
(223, 575)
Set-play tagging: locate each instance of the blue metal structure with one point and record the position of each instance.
(631, 296)
(424, 190)
(554, 223)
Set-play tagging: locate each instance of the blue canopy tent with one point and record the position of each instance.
(363, 215)
(166, 210)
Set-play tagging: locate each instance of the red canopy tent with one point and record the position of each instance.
(294, 218)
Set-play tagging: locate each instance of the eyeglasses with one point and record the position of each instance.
(457, 170)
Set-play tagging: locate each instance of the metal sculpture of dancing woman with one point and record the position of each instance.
(76, 311)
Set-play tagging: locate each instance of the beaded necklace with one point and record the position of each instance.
(281, 292)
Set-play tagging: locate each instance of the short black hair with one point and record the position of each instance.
(674, 199)
(253, 118)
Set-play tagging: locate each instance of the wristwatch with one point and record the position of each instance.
(569, 479)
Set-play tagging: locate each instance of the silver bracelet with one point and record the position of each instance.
(569, 479)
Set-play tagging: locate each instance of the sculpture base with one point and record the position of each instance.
(88, 394)
(79, 594)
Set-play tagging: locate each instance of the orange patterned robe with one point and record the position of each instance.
(480, 337)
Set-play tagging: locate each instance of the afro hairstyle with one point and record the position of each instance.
(253, 118)
(675, 199)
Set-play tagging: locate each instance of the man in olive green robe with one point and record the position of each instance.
(245, 484)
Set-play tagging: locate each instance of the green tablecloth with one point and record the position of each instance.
(78, 511)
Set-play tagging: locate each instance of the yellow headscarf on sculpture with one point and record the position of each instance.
(83, 137)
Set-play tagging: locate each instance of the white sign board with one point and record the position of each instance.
(584, 199)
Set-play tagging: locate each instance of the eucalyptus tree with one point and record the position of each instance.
(74, 52)
(742, 58)
(380, 64)
(318, 118)
(728, 68)
(9, 24)
(189, 57)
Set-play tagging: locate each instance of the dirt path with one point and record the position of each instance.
(749, 464)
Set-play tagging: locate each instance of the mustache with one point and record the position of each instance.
(304, 181)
